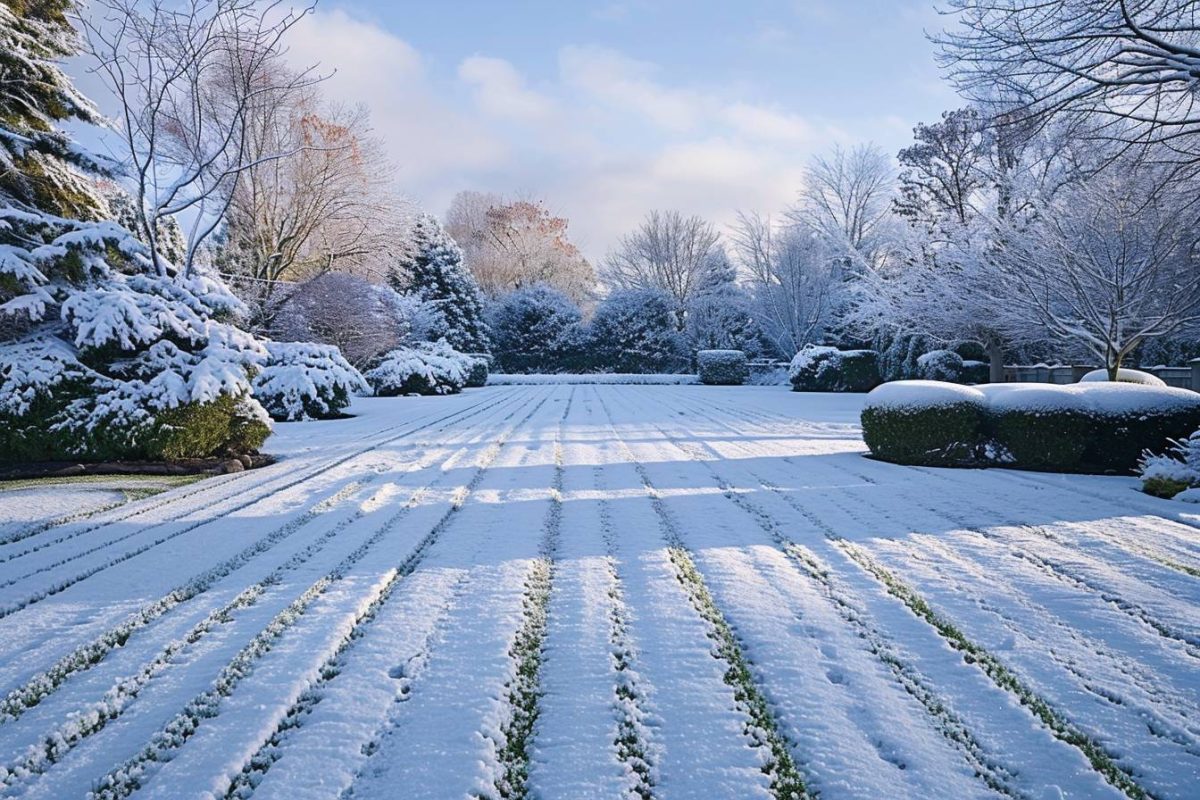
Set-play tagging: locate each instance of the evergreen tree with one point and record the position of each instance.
(102, 356)
(434, 271)
(533, 330)
(39, 166)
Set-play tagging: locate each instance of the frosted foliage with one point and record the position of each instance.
(422, 369)
(302, 380)
(90, 312)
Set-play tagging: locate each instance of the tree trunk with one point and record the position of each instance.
(995, 361)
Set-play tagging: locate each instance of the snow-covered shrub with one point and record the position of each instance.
(1092, 427)
(1123, 376)
(113, 353)
(107, 351)
(722, 367)
(363, 320)
(635, 331)
(302, 380)
(898, 356)
(477, 376)
(924, 422)
(827, 369)
(1130, 419)
(421, 369)
(1040, 426)
(532, 330)
(1167, 474)
(940, 365)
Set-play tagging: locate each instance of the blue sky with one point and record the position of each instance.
(609, 108)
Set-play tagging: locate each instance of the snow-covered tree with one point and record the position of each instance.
(105, 350)
(534, 329)
(796, 277)
(1131, 68)
(39, 165)
(722, 315)
(435, 273)
(1113, 262)
(668, 252)
(634, 330)
(364, 320)
(187, 78)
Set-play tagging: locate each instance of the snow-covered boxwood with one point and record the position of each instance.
(1169, 473)
(1092, 427)
(924, 422)
(422, 369)
(722, 367)
(1039, 426)
(940, 365)
(1123, 376)
(827, 369)
(1130, 419)
(302, 380)
(477, 375)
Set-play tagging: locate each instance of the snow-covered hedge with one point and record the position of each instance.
(599, 378)
(827, 369)
(923, 422)
(107, 352)
(722, 367)
(422, 369)
(1093, 427)
(302, 380)
(940, 365)
(1123, 376)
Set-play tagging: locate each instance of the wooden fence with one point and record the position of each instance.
(1187, 377)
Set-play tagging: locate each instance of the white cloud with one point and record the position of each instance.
(500, 90)
(759, 122)
(604, 144)
(625, 83)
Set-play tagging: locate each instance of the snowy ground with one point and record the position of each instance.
(576, 591)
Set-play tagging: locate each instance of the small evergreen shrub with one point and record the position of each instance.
(924, 422)
(940, 365)
(827, 369)
(970, 351)
(722, 367)
(477, 375)
(302, 380)
(1169, 473)
(424, 369)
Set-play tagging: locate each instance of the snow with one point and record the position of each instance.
(607, 378)
(922, 394)
(730, 586)
(1124, 375)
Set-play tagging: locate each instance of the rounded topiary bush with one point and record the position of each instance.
(940, 365)
(924, 422)
(722, 367)
(1123, 376)
(827, 369)
(1040, 426)
(1129, 419)
(424, 369)
(302, 380)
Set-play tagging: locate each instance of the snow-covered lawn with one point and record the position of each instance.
(577, 591)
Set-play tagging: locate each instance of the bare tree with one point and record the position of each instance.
(847, 197)
(1131, 65)
(188, 77)
(511, 244)
(326, 206)
(1115, 262)
(795, 277)
(668, 251)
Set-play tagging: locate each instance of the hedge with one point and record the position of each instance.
(827, 369)
(722, 367)
(1095, 428)
(924, 422)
